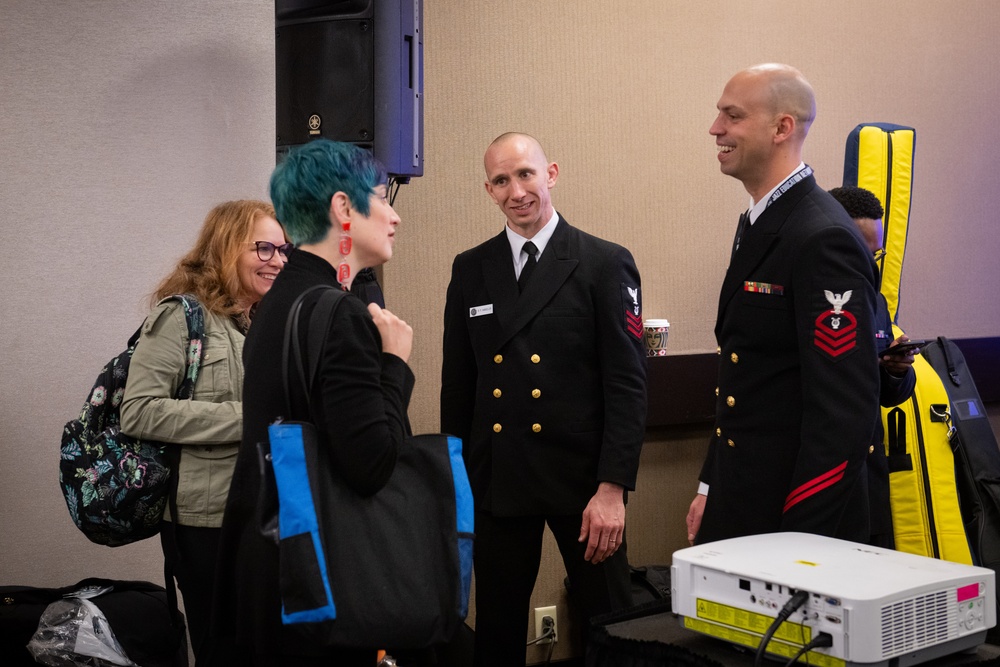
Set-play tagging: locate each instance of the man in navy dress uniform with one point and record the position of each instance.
(798, 380)
(544, 379)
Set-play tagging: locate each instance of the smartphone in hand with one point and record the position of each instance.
(903, 349)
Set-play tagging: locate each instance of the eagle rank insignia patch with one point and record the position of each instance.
(836, 328)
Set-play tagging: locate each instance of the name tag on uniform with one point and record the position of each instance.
(476, 311)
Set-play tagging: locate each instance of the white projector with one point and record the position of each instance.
(877, 605)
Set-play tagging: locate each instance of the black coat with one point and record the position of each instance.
(547, 391)
(798, 384)
(358, 405)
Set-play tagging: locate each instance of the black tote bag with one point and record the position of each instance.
(391, 570)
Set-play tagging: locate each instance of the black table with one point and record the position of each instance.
(638, 631)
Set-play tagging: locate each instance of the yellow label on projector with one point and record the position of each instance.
(752, 621)
(751, 640)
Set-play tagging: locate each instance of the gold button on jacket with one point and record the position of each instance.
(497, 393)
(735, 358)
(535, 393)
(498, 359)
(535, 358)
(730, 401)
(536, 428)
(497, 428)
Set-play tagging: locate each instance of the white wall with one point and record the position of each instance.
(121, 124)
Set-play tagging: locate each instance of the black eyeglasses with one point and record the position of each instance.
(265, 250)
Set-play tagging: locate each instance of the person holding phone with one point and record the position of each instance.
(896, 376)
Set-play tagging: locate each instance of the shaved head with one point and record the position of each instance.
(764, 115)
(528, 141)
(786, 91)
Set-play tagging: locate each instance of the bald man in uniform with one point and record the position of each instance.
(798, 373)
(544, 379)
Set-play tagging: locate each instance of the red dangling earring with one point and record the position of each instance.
(344, 270)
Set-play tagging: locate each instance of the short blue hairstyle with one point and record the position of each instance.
(303, 185)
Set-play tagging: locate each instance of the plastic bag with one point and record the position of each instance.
(74, 632)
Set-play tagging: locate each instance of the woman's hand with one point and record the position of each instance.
(397, 335)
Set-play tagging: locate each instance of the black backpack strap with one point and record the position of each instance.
(194, 317)
(949, 362)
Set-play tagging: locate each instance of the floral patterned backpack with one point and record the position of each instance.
(116, 487)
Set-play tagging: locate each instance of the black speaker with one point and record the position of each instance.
(352, 71)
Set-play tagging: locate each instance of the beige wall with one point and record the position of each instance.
(122, 123)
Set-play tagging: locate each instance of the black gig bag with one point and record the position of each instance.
(977, 455)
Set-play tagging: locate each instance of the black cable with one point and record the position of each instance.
(821, 640)
(392, 188)
(548, 656)
(547, 633)
(794, 603)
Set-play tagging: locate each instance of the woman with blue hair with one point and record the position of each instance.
(331, 199)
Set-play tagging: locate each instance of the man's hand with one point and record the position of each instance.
(899, 364)
(695, 512)
(603, 522)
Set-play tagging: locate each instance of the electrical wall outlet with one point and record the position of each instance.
(540, 614)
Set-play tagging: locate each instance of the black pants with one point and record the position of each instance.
(191, 552)
(508, 551)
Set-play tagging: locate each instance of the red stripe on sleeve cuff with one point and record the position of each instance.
(815, 485)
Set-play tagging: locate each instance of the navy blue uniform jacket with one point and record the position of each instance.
(546, 388)
(798, 392)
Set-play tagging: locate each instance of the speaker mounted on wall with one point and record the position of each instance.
(352, 71)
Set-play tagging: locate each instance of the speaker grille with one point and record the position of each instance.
(325, 70)
(917, 623)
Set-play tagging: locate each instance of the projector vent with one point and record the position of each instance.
(916, 623)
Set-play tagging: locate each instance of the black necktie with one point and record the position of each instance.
(741, 231)
(529, 266)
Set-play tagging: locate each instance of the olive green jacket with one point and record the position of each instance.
(209, 426)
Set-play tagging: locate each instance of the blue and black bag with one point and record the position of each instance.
(391, 570)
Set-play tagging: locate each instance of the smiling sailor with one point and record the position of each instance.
(544, 379)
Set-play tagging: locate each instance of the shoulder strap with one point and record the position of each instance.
(949, 361)
(194, 317)
(318, 327)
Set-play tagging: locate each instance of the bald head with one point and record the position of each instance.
(785, 90)
(525, 142)
(764, 115)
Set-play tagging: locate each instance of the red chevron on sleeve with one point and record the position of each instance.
(836, 332)
(633, 324)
